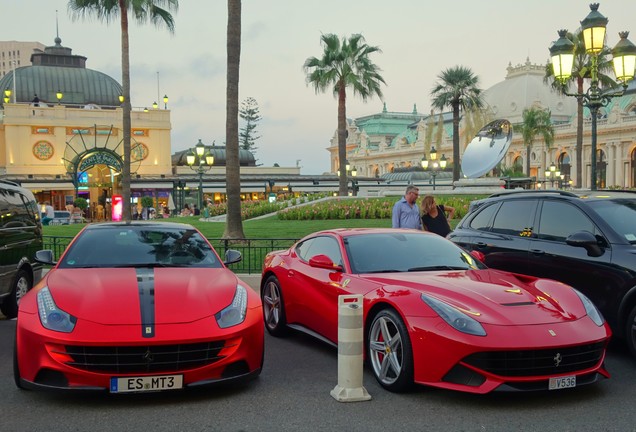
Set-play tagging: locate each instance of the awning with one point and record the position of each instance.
(158, 185)
(49, 186)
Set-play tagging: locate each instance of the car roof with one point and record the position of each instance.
(578, 194)
(138, 224)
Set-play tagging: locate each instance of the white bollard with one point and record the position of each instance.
(350, 351)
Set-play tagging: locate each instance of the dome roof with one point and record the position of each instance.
(246, 158)
(56, 69)
(524, 87)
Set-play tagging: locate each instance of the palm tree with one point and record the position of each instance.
(457, 88)
(234, 223)
(536, 121)
(344, 64)
(155, 11)
(581, 70)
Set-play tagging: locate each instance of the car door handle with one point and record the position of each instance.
(537, 252)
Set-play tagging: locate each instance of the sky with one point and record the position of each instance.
(418, 39)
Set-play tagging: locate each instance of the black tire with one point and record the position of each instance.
(630, 331)
(22, 283)
(389, 351)
(273, 307)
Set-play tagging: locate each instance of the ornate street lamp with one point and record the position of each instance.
(154, 105)
(434, 165)
(624, 61)
(165, 101)
(59, 95)
(552, 174)
(200, 160)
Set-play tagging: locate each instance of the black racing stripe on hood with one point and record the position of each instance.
(146, 284)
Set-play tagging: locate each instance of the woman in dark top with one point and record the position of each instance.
(434, 217)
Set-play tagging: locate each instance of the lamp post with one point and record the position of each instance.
(434, 165)
(59, 95)
(7, 95)
(200, 160)
(165, 101)
(350, 173)
(15, 95)
(552, 174)
(624, 61)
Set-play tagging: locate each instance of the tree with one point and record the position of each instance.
(343, 64)
(581, 70)
(536, 121)
(457, 88)
(142, 11)
(234, 223)
(249, 113)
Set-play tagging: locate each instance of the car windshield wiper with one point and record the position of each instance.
(384, 271)
(437, 267)
(149, 264)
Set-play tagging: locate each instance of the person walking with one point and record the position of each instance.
(406, 213)
(435, 218)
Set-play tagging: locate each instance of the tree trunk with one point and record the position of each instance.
(342, 140)
(456, 165)
(528, 148)
(126, 108)
(579, 135)
(234, 224)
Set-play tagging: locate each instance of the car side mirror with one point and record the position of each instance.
(45, 257)
(232, 256)
(323, 261)
(478, 255)
(586, 240)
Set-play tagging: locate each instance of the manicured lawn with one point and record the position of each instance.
(260, 228)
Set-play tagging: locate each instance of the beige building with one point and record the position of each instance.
(14, 54)
(376, 147)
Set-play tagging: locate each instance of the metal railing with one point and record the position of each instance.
(253, 250)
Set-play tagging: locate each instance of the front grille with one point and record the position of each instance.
(554, 361)
(144, 358)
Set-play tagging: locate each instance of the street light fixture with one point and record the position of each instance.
(165, 101)
(121, 99)
(154, 105)
(200, 160)
(351, 172)
(59, 95)
(624, 61)
(552, 174)
(434, 165)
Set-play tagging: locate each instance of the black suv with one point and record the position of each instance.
(20, 238)
(584, 239)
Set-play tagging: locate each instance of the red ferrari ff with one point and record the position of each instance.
(435, 315)
(137, 307)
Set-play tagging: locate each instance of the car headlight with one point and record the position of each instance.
(235, 313)
(51, 316)
(456, 319)
(591, 310)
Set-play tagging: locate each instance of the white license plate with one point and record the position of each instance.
(145, 384)
(562, 382)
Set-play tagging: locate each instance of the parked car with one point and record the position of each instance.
(138, 307)
(586, 240)
(20, 238)
(435, 315)
(62, 217)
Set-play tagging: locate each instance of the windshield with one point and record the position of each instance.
(140, 246)
(620, 214)
(402, 252)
